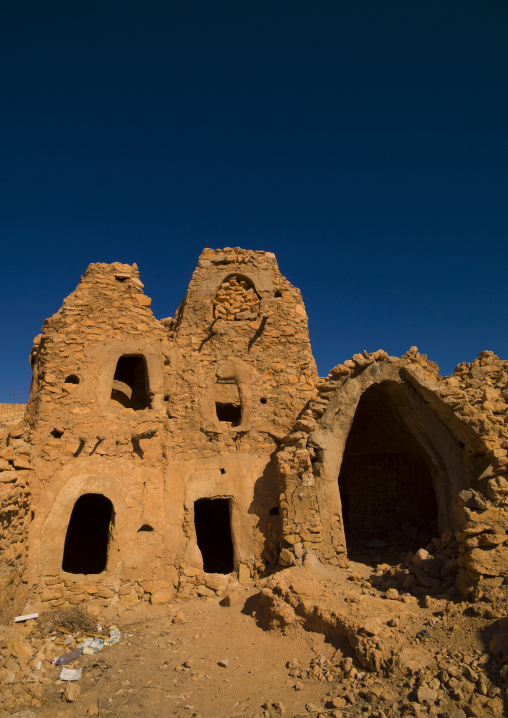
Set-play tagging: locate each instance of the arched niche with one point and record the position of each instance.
(386, 479)
(49, 536)
(236, 299)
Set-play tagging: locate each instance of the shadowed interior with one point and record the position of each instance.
(385, 484)
(86, 542)
(213, 532)
(130, 383)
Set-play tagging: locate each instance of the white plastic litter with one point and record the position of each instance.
(70, 674)
(85, 643)
(25, 618)
(97, 645)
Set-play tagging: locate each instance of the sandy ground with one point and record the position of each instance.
(160, 668)
(305, 642)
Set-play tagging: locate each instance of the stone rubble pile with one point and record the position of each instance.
(456, 685)
(430, 570)
(434, 657)
(25, 668)
(236, 299)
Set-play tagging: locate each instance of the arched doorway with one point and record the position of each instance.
(88, 532)
(386, 482)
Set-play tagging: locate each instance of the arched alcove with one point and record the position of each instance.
(386, 480)
(236, 299)
(130, 386)
(88, 532)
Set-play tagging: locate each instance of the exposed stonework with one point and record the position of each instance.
(155, 456)
(144, 418)
(14, 518)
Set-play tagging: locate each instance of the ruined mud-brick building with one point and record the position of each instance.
(179, 454)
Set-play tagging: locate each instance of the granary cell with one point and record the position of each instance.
(88, 535)
(212, 521)
(130, 386)
(228, 405)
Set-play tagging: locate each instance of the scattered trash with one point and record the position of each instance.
(99, 627)
(70, 674)
(97, 645)
(62, 660)
(67, 640)
(28, 617)
(114, 635)
(85, 643)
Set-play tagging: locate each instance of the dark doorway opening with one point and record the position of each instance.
(213, 531)
(87, 539)
(388, 500)
(130, 383)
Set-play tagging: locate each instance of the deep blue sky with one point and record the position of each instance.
(364, 142)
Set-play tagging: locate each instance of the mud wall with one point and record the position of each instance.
(127, 409)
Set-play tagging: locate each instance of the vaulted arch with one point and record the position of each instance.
(386, 461)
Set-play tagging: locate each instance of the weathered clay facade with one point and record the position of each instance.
(167, 455)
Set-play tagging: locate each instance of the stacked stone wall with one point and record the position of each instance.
(385, 492)
(15, 517)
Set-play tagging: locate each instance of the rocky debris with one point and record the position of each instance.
(401, 655)
(273, 709)
(71, 692)
(445, 687)
(429, 571)
(25, 662)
